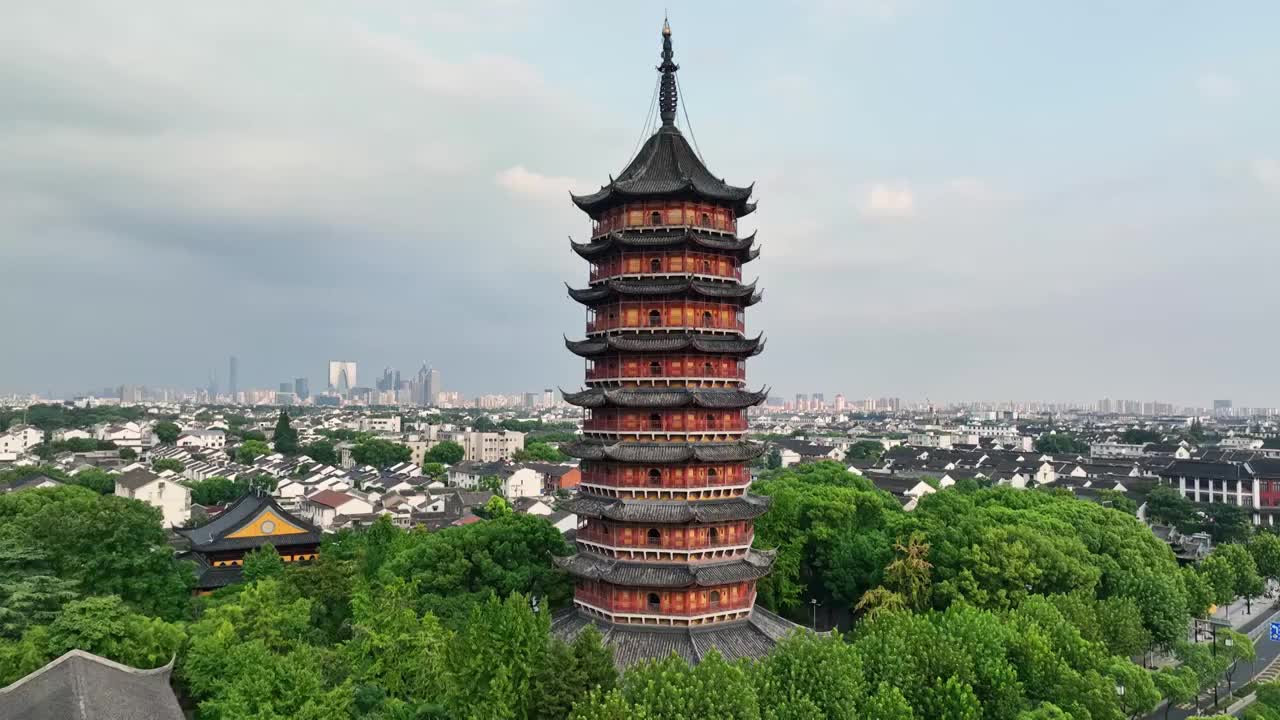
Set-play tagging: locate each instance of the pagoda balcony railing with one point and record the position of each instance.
(606, 604)
(658, 369)
(732, 476)
(659, 424)
(659, 215)
(668, 315)
(667, 264)
(646, 493)
(668, 543)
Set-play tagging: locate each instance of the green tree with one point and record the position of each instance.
(128, 454)
(1221, 577)
(1140, 693)
(96, 479)
(394, 648)
(216, 491)
(774, 459)
(1166, 505)
(105, 544)
(1265, 548)
(1198, 590)
(1136, 436)
(285, 438)
(1247, 583)
(434, 470)
(497, 507)
(825, 673)
(380, 453)
(864, 450)
(162, 464)
(1225, 523)
(167, 431)
(1055, 443)
(322, 451)
(445, 452)
(494, 658)
(264, 562)
(251, 450)
(1176, 685)
(536, 451)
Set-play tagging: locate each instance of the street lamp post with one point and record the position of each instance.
(1120, 697)
(813, 603)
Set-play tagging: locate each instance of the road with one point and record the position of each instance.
(1268, 651)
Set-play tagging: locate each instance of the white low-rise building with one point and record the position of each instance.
(161, 491)
(204, 438)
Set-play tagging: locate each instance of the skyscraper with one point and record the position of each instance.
(664, 549)
(233, 378)
(301, 388)
(433, 388)
(342, 376)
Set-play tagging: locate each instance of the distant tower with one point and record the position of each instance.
(301, 388)
(664, 559)
(233, 377)
(434, 388)
(342, 376)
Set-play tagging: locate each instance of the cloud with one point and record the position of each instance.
(521, 181)
(1267, 172)
(1215, 86)
(887, 200)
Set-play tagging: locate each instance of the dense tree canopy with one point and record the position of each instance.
(380, 453)
(285, 438)
(537, 451)
(251, 450)
(446, 452)
(1064, 443)
(167, 432)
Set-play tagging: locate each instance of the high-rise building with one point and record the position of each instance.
(286, 387)
(433, 387)
(301, 388)
(664, 551)
(1221, 408)
(840, 402)
(233, 377)
(342, 376)
(548, 397)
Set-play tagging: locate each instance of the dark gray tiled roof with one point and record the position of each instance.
(754, 565)
(668, 238)
(663, 511)
(666, 166)
(233, 518)
(615, 289)
(751, 638)
(666, 397)
(135, 479)
(666, 342)
(1206, 470)
(668, 452)
(83, 686)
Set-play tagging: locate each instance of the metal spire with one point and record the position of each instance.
(667, 100)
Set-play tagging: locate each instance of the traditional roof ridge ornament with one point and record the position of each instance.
(667, 99)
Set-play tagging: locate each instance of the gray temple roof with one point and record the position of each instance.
(83, 686)
(212, 535)
(666, 397)
(616, 289)
(670, 511)
(754, 565)
(664, 452)
(751, 638)
(744, 248)
(665, 343)
(666, 166)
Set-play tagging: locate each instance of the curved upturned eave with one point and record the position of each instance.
(666, 343)
(666, 166)
(746, 507)
(744, 247)
(667, 397)
(663, 453)
(611, 289)
(752, 566)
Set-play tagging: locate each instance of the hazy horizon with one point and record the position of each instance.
(957, 201)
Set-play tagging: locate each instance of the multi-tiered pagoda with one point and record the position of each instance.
(665, 560)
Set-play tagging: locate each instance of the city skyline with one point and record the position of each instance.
(1003, 210)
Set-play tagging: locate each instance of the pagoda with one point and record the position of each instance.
(664, 559)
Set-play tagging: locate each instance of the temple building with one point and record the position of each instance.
(218, 547)
(664, 559)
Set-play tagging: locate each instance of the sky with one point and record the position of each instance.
(958, 200)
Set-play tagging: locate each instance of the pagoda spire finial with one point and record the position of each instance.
(667, 90)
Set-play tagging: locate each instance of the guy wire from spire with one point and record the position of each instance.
(684, 107)
(648, 119)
